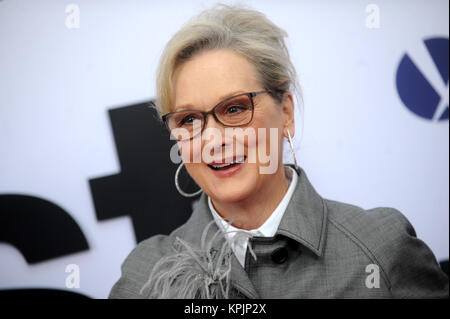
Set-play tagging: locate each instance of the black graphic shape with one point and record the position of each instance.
(39, 229)
(144, 189)
(37, 293)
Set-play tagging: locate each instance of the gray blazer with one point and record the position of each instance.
(322, 249)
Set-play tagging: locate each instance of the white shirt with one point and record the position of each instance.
(268, 229)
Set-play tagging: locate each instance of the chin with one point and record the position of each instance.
(232, 188)
(230, 194)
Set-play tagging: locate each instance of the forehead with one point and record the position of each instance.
(211, 76)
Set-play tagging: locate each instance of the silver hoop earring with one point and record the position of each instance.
(177, 184)
(292, 149)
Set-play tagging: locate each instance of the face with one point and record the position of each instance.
(201, 83)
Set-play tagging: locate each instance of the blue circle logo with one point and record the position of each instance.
(422, 80)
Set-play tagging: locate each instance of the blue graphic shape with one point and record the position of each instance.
(414, 89)
(438, 49)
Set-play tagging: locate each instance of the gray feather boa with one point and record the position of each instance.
(192, 273)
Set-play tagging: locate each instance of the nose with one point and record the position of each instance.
(212, 122)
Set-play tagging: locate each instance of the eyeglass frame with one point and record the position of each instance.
(205, 114)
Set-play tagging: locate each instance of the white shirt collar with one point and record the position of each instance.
(270, 226)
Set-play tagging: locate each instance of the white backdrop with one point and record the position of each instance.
(360, 143)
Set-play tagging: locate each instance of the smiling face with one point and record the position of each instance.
(201, 83)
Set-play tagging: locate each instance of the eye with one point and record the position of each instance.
(236, 108)
(188, 119)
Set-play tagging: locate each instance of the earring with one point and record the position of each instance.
(292, 149)
(177, 184)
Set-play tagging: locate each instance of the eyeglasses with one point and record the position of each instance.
(234, 111)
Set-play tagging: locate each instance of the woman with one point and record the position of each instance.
(225, 91)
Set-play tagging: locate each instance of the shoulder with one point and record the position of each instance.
(368, 225)
(387, 237)
(137, 267)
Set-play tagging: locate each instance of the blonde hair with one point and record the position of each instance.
(242, 30)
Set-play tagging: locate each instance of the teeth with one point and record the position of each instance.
(239, 160)
(221, 165)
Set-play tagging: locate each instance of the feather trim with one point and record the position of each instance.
(192, 273)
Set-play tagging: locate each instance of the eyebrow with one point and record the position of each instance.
(221, 98)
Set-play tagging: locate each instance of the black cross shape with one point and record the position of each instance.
(144, 189)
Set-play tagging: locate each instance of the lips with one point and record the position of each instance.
(226, 164)
(227, 169)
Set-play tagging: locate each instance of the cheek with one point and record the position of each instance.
(191, 150)
(269, 140)
(185, 152)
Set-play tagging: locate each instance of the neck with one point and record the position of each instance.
(251, 212)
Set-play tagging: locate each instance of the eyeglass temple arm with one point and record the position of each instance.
(258, 93)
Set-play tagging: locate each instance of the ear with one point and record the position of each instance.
(287, 116)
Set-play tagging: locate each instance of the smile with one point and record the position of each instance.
(224, 166)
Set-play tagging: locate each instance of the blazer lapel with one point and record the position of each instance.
(305, 218)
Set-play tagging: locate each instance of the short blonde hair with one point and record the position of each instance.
(242, 30)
